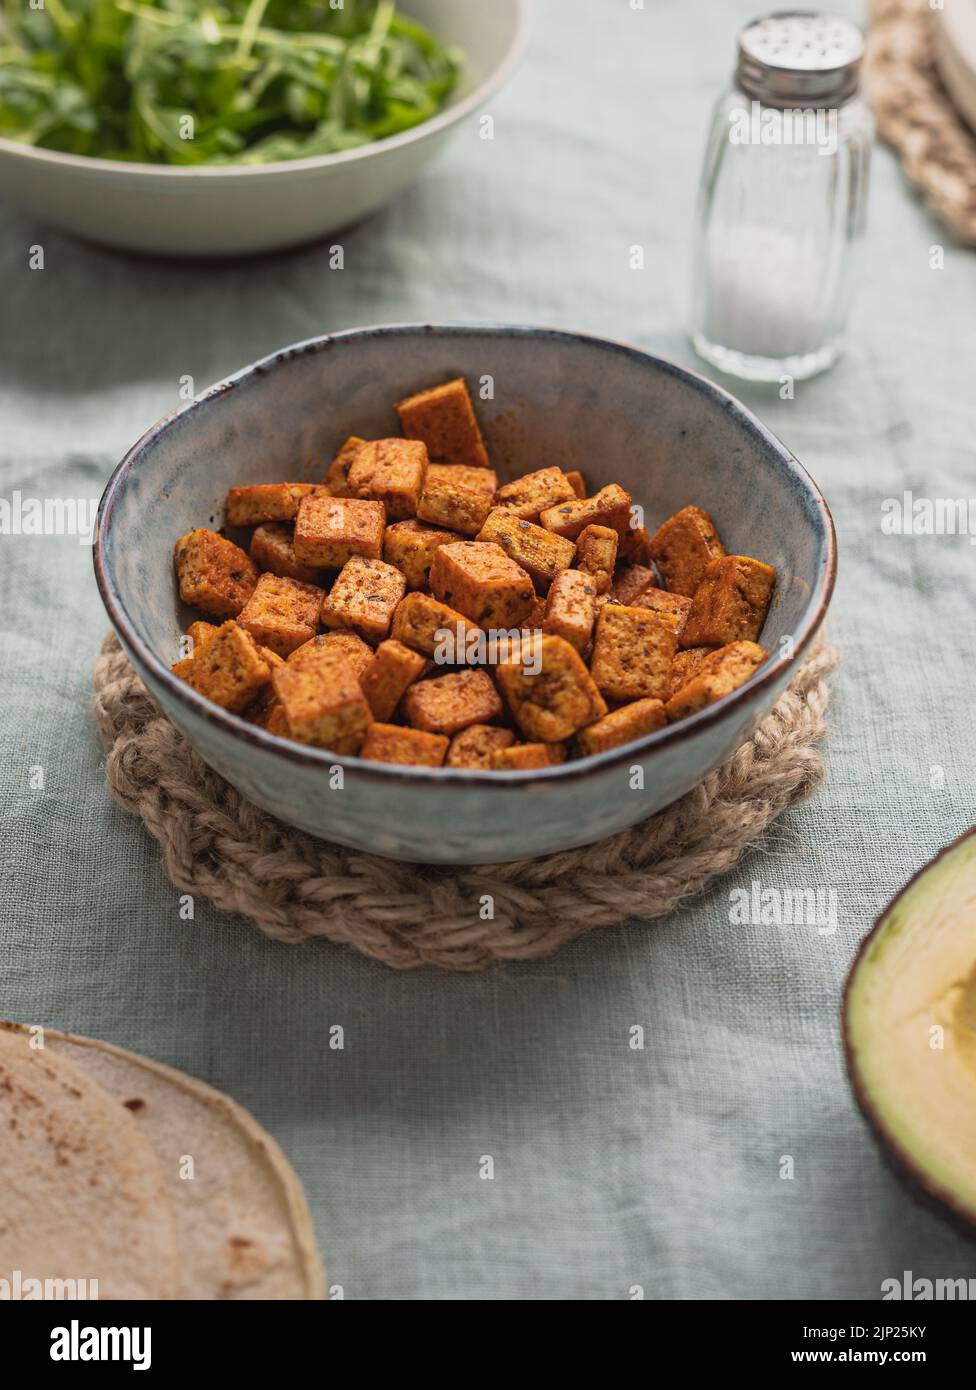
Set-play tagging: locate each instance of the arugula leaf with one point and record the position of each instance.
(226, 82)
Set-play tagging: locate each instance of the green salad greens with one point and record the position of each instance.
(234, 82)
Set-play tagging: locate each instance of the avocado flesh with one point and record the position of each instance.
(917, 975)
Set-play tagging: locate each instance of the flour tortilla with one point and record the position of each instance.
(82, 1194)
(242, 1227)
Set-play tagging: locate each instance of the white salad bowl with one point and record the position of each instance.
(241, 210)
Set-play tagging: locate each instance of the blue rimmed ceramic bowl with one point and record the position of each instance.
(668, 436)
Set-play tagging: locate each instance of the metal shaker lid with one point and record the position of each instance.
(800, 58)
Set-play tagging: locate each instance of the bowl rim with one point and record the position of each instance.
(579, 768)
(442, 121)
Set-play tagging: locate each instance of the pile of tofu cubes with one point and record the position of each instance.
(408, 609)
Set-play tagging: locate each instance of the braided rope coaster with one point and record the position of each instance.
(916, 115)
(297, 888)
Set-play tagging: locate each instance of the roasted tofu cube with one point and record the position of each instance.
(392, 669)
(674, 608)
(337, 478)
(482, 582)
(536, 616)
(198, 633)
(621, 726)
(276, 721)
(683, 549)
(214, 574)
(730, 603)
(721, 673)
(549, 691)
(443, 417)
(596, 555)
(183, 667)
(686, 664)
(247, 506)
(524, 757)
(631, 581)
(273, 550)
(323, 703)
(456, 509)
(452, 702)
(571, 608)
(541, 554)
(635, 546)
(390, 471)
(282, 613)
(344, 645)
(411, 547)
(474, 746)
(432, 627)
(462, 476)
(229, 668)
(388, 743)
(364, 598)
(609, 507)
(577, 482)
(632, 653)
(529, 495)
(329, 531)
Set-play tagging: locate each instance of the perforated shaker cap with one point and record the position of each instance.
(800, 58)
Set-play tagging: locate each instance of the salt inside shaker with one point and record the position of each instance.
(782, 200)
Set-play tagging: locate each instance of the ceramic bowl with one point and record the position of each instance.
(200, 211)
(668, 436)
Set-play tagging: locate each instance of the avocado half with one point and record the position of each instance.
(909, 1019)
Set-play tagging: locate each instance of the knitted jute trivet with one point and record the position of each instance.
(296, 888)
(916, 114)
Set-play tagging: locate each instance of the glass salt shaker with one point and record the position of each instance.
(782, 201)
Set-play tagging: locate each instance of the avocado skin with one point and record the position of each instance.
(923, 1190)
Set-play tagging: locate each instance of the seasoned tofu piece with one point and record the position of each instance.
(722, 672)
(552, 695)
(452, 702)
(229, 668)
(344, 645)
(443, 417)
(529, 495)
(337, 478)
(392, 669)
(214, 574)
(282, 613)
(571, 608)
(364, 597)
(391, 471)
(632, 653)
(331, 530)
(482, 582)
(388, 743)
(467, 479)
(473, 747)
(609, 507)
(411, 547)
(427, 624)
(621, 726)
(596, 555)
(323, 703)
(730, 603)
(577, 482)
(686, 664)
(524, 757)
(536, 616)
(674, 608)
(198, 633)
(246, 506)
(273, 550)
(541, 554)
(456, 509)
(635, 546)
(683, 549)
(631, 581)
